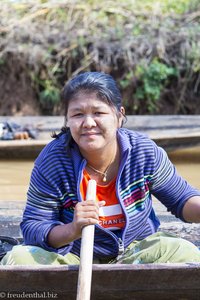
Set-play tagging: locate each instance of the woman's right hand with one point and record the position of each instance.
(86, 213)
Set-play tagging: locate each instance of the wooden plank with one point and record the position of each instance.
(109, 282)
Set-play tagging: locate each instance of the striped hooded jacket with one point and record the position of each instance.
(145, 170)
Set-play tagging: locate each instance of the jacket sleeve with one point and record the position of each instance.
(42, 212)
(168, 186)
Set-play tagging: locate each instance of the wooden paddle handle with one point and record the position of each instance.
(86, 252)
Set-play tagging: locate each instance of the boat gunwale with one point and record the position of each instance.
(102, 267)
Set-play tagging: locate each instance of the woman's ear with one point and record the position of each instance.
(121, 116)
(122, 110)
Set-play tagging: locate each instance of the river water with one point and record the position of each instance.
(15, 174)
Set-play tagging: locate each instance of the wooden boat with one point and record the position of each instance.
(170, 132)
(109, 282)
(22, 149)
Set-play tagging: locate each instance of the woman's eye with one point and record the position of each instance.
(77, 115)
(99, 113)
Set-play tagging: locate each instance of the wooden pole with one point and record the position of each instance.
(86, 252)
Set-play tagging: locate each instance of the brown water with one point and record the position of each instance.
(14, 179)
(15, 174)
(187, 162)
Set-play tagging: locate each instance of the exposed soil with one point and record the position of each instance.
(16, 93)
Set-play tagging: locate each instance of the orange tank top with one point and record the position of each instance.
(111, 215)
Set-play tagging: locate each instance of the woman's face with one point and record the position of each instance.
(92, 122)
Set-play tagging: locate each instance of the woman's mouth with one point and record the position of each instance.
(90, 133)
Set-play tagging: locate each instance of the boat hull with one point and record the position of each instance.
(109, 282)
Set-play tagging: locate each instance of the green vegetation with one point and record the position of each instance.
(150, 47)
(154, 78)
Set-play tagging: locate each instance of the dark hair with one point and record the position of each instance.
(100, 83)
(103, 84)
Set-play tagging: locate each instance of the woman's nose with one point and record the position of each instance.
(89, 121)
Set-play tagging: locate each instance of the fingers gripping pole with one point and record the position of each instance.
(86, 252)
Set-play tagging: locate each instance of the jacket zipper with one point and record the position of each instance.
(120, 247)
(118, 195)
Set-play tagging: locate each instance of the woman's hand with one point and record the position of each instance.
(85, 213)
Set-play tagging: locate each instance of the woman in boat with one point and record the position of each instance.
(128, 167)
